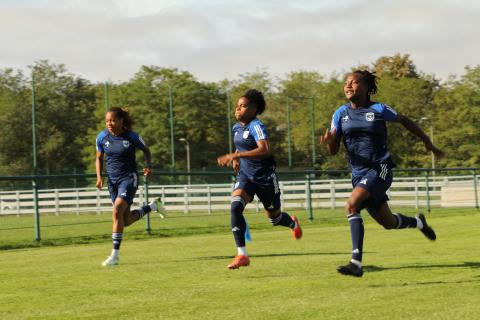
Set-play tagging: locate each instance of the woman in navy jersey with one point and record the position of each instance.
(255, 167)
(361, 125)
(118, 142)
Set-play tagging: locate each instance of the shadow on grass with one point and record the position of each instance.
(466, 264)
(269, 255)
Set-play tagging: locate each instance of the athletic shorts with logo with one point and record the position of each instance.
(376, 180)
(124, 188)
(267, 190)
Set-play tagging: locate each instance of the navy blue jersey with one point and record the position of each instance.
(120, 152)
(245, 139)
(364, 134)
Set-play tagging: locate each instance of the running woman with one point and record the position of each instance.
(119, 143)
(361, 125)
(255, 167)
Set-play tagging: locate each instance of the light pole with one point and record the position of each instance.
(229, 121)
(187, 146)
(170, 110)
(431, 138)
(34, 154)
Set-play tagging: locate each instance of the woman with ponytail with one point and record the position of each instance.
(118, 142)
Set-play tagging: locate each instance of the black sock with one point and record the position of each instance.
(144, 210)
(237, 220)
(357, 233)
(117, 240)
(283, 219)
(404, 221)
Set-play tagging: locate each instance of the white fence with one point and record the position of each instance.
(445, 191)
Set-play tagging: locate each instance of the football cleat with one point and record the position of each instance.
(160, 209)
(239, 261)
(297, 230)
(426, 230)
(350, 269)
(111, 261)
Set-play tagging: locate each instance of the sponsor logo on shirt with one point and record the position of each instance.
(107, 144)
(245, 134)
(364, 181)
(345, 119)
(126, 143)
(370, 116)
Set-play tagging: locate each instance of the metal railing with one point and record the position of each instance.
(424, 190)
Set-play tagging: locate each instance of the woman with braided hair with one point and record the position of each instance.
(361, 125)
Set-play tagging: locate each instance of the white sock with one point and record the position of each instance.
(356, 262)
(419, 223)
(242, 251)
(153, 206)
(115, 253)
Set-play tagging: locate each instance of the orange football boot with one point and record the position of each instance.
(239, 261)
(297, 231)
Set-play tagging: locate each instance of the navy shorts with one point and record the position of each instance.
(124, 188)
(376, 181)
(267, 191)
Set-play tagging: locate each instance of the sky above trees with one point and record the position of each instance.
(214, 40)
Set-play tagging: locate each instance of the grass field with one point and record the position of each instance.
(180, 271)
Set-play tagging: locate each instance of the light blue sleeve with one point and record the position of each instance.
(98, 142)
(258, 131)
(388, 113)
(336, 121)
(137, 140)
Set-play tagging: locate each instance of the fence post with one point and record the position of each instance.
(427, 186)
(332, 195)
(57, 203)
(309, 198)
(36, 213)
(98, 201)
(416, 194)
(147, 216)
(475, 187)
(185, 199)
(282, 199)
(19, 210)
(209, 190)
(78, 202)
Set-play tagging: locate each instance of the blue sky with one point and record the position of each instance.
(110, 40)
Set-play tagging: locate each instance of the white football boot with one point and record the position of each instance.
(111, 261)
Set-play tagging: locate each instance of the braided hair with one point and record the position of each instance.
(123, 114)
(370, 79)
(255, 98)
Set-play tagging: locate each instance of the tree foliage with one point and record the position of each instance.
(70, 112)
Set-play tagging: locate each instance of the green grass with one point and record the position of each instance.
(168, 276)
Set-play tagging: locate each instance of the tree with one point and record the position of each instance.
(397, 67)
(64, 107)
(15, 124)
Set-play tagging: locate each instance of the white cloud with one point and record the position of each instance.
(213, 40)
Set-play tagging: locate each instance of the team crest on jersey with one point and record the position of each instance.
(126, 143)
(370, 116)
(245, 134)
(107, 144)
